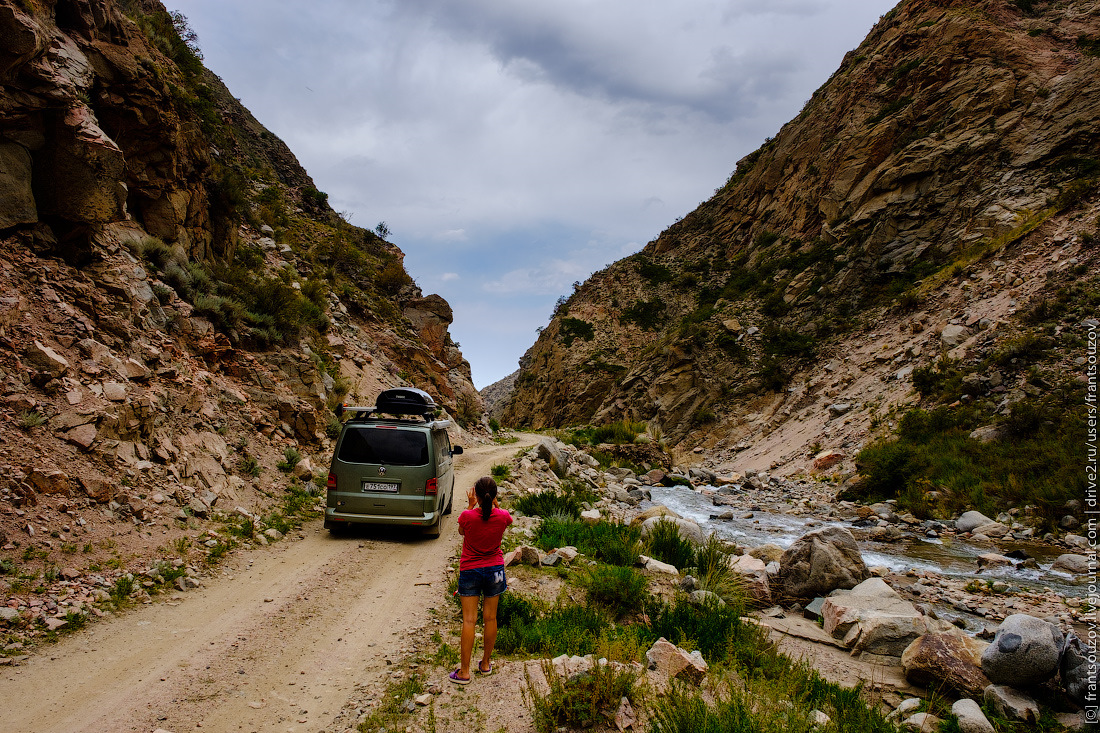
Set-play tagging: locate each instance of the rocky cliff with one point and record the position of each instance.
(180, 309)
(944, 176)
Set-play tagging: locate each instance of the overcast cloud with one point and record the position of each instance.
(514, 147)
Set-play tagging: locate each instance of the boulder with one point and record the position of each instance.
(657, 566)
(1011, 704)
(656, 511)
(527, 555)
(98, 489)
(50, 482)
(303, 470)
(952, 335)
(768, 552)
(1025, 651)
(826, 459)
(47, 360)
(923, 723)
(821, 561)
(689, 530)
(1071, 563)
(969, 521)
(905, 707)
(950, 660)
(970, 716)
(1078, 672)
(16, 197)
(675, 663)
(590, 516)
(996, 530)
(753, 578)
(548, 451)
(872, 618)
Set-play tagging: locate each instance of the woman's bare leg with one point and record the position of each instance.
(469, 622)
(489, 638)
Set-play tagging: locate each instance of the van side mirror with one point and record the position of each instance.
(456, 450)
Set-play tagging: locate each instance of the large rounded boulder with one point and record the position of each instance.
(950, 660)
(820, 562)
(1026, 651)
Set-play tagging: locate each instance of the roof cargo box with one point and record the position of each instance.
(405, 401)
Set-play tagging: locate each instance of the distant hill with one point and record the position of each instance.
(497, 395)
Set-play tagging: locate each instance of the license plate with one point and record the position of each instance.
(377, 486)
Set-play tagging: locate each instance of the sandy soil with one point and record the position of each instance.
(278, 642)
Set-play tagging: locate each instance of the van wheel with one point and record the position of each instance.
(450, 502)
(436, 529)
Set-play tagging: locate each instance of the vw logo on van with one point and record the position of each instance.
(381, 470)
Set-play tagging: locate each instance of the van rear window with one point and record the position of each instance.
(389, 447)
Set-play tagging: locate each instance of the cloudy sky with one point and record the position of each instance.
(516, 146)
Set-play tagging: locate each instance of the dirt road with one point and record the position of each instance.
(276, 643)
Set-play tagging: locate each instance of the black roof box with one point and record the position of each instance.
(405, 401)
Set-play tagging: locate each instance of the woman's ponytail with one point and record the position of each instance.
(486, 491)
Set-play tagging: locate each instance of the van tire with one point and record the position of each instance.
(450, 502)
(436, 529)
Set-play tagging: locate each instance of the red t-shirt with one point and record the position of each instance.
(481, 538)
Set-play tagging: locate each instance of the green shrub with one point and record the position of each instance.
(501, 472)
(225, 313)
(515, 609)
(1022, 351)
(652, 271)
(574, 328)
(548, 504)
(122, 588)
(665, 543)
(292, 457)
(249, 466)
(619, 589)
(781, 341)
(579, 702)
(31, 419)
(561, 630)
(646, 314)
(715, 630)
(615, 544)
(619, 432)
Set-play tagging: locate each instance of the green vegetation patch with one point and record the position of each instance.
(548, 504)
(614, 544)
(645, 314)
(574, 328)
(1036, 459)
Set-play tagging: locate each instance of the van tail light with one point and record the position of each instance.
(432, 487)
(331, 482)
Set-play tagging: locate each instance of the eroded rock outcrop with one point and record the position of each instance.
(953, 128)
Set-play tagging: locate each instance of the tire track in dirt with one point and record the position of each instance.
(277, 642)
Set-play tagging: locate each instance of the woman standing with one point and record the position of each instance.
(480, 573)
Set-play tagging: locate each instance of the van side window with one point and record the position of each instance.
(442, 446)
(382, 446)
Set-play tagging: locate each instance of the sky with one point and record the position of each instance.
(513, 147)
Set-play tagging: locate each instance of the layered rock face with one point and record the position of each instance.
(955, 129)
(179, 307)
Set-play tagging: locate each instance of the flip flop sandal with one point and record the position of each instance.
(485, 671)
(453, 677)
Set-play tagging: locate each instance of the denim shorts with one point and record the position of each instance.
(488, 582)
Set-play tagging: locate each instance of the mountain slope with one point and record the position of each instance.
(180, 309)
(957, 134)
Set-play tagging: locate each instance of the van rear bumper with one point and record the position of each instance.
(423, 520)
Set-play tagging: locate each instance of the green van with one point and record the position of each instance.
(392, 470)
